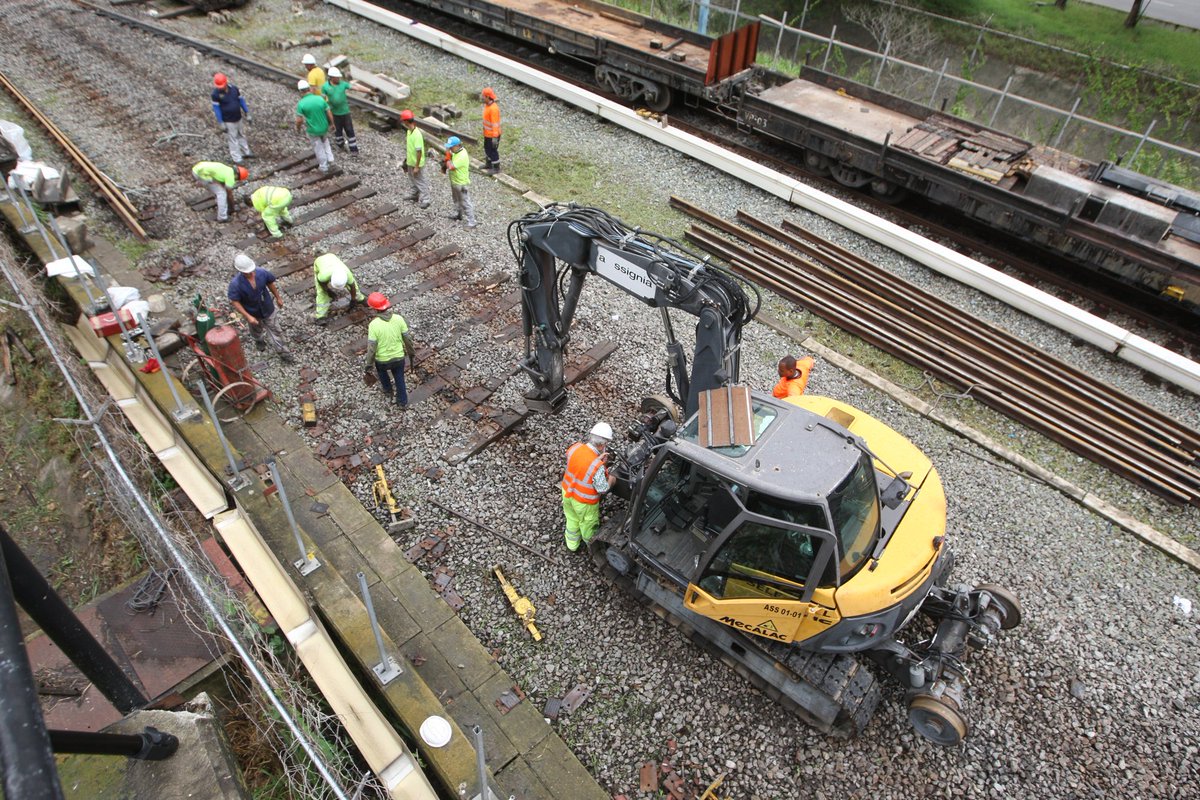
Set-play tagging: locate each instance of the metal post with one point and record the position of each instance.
(181, 412)
(803, 15)
(149, 745)
(1063, 129)
(1000, 102)
(828, 49)
(1145, 136)
(97, 306)
(237, 481)
(59, 622)
(29, 771)
(481, 763)
(37, 223)
(307, 562)
(779, 38)
(938, 84)
(887, 48)
(26, 225)
(387, 669)
(737, 15)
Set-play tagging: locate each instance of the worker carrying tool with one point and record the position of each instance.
(583, 482)
(220, 179)
(332, 277)
(272, 203)
(793, 376)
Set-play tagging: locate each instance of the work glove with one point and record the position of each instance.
(247, 118)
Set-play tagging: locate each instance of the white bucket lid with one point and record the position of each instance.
(435, 731)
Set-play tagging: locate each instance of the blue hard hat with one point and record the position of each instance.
(453, 141)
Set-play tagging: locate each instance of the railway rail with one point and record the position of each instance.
(117, 200)
(1028, 385)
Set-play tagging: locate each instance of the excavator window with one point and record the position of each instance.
(855, 509)
(762, 560)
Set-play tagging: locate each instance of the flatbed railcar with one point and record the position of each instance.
(1141, 231)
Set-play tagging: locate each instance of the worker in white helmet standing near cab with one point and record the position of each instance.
(584, 480)
(314, 76)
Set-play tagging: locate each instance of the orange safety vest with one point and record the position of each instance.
(582, 463)
(491, 120)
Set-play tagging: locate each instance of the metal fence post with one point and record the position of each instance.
(1000, 102)
(779, 38)
(306, 563)
(828, 49)
(387, 669)
(485, 791)
(938, 84)
(803, 15)
(237, 481)
(887, 48)
(1142, 141)
(1070, 117)
(181, 412)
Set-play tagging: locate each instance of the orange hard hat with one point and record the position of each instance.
(242, 173)
(406, 115)
(378, 301)
(489, 93)
(220, 81)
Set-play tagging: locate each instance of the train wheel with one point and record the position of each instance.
(887, 191)
(848, 176)
(816, 163)
(1006, 601)
(936, 720)
(658, 100)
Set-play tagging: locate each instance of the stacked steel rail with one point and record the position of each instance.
(1026, 384)
(116, 199)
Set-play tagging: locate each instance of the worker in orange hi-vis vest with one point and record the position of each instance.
(793, 376)
(583, 482)
(491, 130)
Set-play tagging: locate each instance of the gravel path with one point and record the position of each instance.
(1097, 694)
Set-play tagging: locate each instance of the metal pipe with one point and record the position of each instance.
(1142, 141)
(1070, 117)
(55, 617)
(306, 563)
(237, 481)
(181, 413)
(481, 763)
(37, 223)
(938, 84)
(887, 49)
(149, 745)
(97, 306)
(387, 668)
(26, 226)
(29, 771)
(828, 49)
(199, 588)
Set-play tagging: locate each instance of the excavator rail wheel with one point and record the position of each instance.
(1010, 607)
(937, 721)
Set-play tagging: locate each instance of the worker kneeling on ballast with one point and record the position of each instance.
(332, 277)
(583, 482)
(273, 204)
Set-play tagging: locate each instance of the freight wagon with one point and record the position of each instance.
(1142, 231)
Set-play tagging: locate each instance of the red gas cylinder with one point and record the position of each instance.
(229, 362)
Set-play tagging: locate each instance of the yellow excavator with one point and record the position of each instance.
(796, 539)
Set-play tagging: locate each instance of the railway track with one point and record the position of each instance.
(1026, 384)
(121, 205)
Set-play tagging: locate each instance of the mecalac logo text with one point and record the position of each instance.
(765, 629)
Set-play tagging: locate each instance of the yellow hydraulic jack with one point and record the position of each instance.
(383, 497)
(521, 605)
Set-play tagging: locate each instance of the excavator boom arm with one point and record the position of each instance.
(657, 271)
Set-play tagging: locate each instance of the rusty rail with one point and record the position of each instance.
(1026, 384)
(116, 199)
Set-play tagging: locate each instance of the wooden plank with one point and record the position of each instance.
(345, 225)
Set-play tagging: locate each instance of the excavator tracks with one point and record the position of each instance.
(837, 694)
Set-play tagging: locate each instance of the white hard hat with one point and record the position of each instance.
(244, 263)
(308, 59)
(334, 72)
(338, 279)
(602, 430)
(303, 85)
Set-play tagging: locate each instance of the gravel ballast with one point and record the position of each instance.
(1096, 694)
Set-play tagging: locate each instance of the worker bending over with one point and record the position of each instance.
(582, 484)
(272, 202)
(332, 277)
(793, 376)
(220, 179)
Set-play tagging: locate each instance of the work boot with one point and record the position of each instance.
(412, 198)
(321, 321)
(454, 217)
(249, 155)
(287, 357)
(278, 235)
(425, 204)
